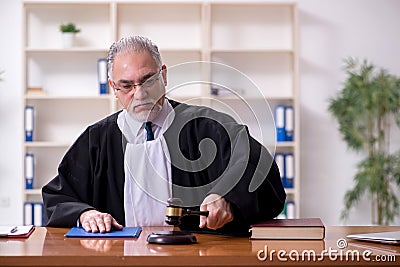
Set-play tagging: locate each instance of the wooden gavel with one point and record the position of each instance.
(175, 212)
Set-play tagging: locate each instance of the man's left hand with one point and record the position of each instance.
(220, 212)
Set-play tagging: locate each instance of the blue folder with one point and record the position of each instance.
(132, 232)
(280, 123)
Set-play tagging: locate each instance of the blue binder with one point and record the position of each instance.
(34, 214)
(39, 216)
(289, 123)
(290, 209)
(102, 75)
(280, 123)
(289, 171)
(28, 213)
(29, 123)
(280, 161)
(29, 170)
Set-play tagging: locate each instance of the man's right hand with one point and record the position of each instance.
(95, 221)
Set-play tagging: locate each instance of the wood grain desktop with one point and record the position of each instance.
(49, 247)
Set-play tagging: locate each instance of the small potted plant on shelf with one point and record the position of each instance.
(68, 31)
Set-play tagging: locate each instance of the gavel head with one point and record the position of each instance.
(174, 212)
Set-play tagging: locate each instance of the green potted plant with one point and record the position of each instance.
(68, 31)
(366, 109)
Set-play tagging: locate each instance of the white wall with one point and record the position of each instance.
(11, 171)
(330, 30)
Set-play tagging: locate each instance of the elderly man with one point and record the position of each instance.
(122, 169)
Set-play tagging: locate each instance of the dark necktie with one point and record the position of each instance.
(149, 131)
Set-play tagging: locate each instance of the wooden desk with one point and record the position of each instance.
(49, 247)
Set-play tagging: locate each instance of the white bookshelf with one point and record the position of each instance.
(259, 39)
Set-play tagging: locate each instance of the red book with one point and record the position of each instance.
(306, 228)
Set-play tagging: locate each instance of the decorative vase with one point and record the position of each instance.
(68, 39)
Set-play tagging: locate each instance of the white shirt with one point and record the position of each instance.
(147, 169)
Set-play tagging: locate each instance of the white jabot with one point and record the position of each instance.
(147, 183)
(147, 169)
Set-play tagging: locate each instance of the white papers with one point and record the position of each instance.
(6, 231)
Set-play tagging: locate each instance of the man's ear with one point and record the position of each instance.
(164, 74)
(111, 85)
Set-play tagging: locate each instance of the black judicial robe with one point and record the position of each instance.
(91, 174)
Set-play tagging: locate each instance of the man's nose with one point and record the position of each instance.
(141, 93)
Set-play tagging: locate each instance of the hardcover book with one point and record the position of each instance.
(306, 228)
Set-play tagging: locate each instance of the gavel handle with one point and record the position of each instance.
(196, 212)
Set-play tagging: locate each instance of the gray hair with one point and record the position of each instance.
(132, 44)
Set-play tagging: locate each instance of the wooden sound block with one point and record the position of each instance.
(171, 237)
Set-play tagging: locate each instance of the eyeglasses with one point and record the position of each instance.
(128, 87)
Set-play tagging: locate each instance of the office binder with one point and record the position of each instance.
(280, 161)
(34, 214)
(29, 123)
(290, 210)
(37, 214)
(102, 75)
(28, 213)
(29, 170)
(289, 123)
(280, 123)
(289, 171)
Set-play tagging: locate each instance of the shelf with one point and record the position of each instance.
(180, 50)
(251, 98)
(43, 19)
(66, 50)
(46, 144)
(252, 45)
(33, 191)
(170, 25)
(253, 26)
(255, 74)
(59, 75)
(252, 50)
(72, 98)
(285, 144)
(290, 191)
